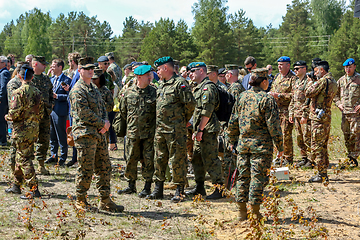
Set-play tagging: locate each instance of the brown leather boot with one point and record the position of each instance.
(242, 211)
(107, 204)
(256, 211)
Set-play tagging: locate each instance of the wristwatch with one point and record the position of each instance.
(199, 130)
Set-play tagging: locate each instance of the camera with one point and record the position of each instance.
(311, 75)
(320, 113)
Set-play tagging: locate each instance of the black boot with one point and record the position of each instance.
(179, 191)
(72, 162)
(353, 162)
(217, 194)
(158, 192)
(146, 191)
(14, 189)
(31, 194)
(198, 189)
(319, 178)
(130, 189)
(303, 162)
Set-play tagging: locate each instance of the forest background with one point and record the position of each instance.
(314, 28)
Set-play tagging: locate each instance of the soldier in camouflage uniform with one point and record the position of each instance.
(232, 72)
(104, 65)
(206, 128)
(25, 113)
(99, 80)
(255, 125)
(298, 112)
(212, 74)
(113, 67)
(222, 78)
(281, 90)
(347, 100)
(90, 122)
(138, 107)
(43, 83)
(174, 107)
(321, 93)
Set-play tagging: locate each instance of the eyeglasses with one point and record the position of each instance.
(194, 69)
(297, 69)
(106, 63)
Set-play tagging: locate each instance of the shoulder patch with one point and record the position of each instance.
(13, 98)
(204, 97)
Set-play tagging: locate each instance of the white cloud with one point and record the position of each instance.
(5, 14)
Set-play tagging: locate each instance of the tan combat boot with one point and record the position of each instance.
(107, 204)
(82, 204)
(256, 211)
(42, 170)
(242, 211)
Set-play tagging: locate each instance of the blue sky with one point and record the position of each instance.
(262, 12)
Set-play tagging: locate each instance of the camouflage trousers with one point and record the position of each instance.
(320, 131)
(287, 128)
(189, 144)
(205, 158)
(12, 154)
(24, 167)
(253, 176)
(140, 150)
(228, 165)
(303, 137)
(43, 142)
(170, 147)
(350, 125)
(93, 157)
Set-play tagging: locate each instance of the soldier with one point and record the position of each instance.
(347, 100)
(103, 62)
(43, 83)
(281, 90)
(90, 122)
(127, 70)
(212, 74)
(174, 107)
(138, 108)
(222, 78)
(29, 59)
(321, 93)
(25, 113)
(206, 129)
(113, 67)
(232, 72)
(298, 112)
(255, 125)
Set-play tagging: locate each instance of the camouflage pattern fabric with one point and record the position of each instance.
(107, 97)
(303, 137)
(236, 89)
(113, 67)
(69, 72)
(109, 82)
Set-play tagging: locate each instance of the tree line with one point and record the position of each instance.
(310, 28)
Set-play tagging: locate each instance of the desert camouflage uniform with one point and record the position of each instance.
(283, 85)
(138, 106)
(255, 125)
(320, 128)
(25, 112)
(174, 107)
(89, 116)
(113, 67)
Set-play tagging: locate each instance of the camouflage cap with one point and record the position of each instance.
(109, 55)
(196, 65)
(231, 67)
(163, 60)
(86, 62)
(40, 59)
(260, 73)
(97, 73)
(143, 69)
(212, 68)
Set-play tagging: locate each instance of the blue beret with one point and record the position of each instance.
(102, 59)
(284, 59)
(142, 69)
(196, 64)
(348, 62)
(162, 61)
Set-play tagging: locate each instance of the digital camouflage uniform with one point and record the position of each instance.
(255, 125)
(298, 109)
(25, 111)
(284, 85)
(113, 67)
(69, 72)
(138, 106)
(320, 128)
(89, 116)
(106, 96)
(205, 157)
(174, 107)
(348, 95)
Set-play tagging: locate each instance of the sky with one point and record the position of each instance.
(262, 12)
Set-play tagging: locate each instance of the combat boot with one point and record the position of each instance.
(130, 189)
(107, 204)
(198, 189)
(303, 162)
(178, 194)
(146, 191)
(217, 194)
(353, 162)
(42, 170)
(32, 194)
(158, 192)
(14, 189)
(242, 211)
(319, 178)
(82, 204)
(256, 211)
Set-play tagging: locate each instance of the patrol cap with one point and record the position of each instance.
(109, 55)
(231, 67)
(97, 73)
(196, 65)
(222, 71)
(299, 63)
(143, 69)
(284, 59)
(103, 59)
(127, 66)
(212, 68)
(349, 62)
(86, 62)
(260, 72)
(163, 60)
(40, 59)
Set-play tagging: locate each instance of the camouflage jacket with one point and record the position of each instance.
(107, 97)
(316, 91)
(69, 72)
(12, 85)
(174, 105)
(283, 85)
(43, 83)
(348, 93)
(298, 106)
(236, 89)
(207, 101)
(25, 111)
(109, 82)
(138, 107)
(113, 67)
(255, 123)
(87, 110)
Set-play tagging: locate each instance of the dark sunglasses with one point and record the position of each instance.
(297, 69)
(194, 69)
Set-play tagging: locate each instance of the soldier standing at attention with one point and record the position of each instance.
(25, 113)
(321, 93)
(174, 107)
(138, 107)
(255, 124)
(43, 83)
(281, 90)
(206, 127)
(90, 123)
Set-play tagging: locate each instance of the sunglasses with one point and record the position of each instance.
(297, 69)
(194, 69)
(249, 69)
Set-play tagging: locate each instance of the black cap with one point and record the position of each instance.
(322, 63)
(299, 63)
(27, 67)
(222, 71)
